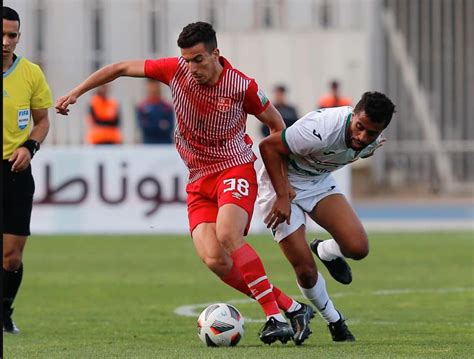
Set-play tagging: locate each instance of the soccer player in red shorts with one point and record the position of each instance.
(212, 100)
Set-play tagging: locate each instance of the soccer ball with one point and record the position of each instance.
(220, 325)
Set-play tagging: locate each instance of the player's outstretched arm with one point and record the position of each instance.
(135, 68)
(275, 155)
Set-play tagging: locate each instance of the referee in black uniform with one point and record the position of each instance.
(26, 99)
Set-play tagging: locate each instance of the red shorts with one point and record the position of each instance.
(237, 185)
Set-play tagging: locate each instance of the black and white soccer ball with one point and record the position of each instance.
(220, 325)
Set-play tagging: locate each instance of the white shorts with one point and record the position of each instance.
(308, 193)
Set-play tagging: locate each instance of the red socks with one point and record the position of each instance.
(284, 302)
(236, 281)
(248, 263)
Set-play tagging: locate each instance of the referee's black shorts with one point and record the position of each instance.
(18, 189)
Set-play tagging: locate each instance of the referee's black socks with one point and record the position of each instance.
(11, 283)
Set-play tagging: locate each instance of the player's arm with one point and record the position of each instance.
(272, 118)
(21, 158)
(135, 68)
(274, 154)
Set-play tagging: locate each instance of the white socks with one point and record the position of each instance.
(294, 307)
(278, 317)
(318, 295)
(329, 250)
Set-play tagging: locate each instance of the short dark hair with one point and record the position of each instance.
(10, 14)
(280, 88)
(197, 32)
(377, 106)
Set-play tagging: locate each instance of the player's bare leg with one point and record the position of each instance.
(230, 227)
(300, 257)
(213, 251)
(313, 286)
(209, 249)
(297, 251)
(215, 257)
(335, 214)
(12, 275)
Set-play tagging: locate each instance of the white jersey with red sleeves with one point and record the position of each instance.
(318, 146)
(210, 133)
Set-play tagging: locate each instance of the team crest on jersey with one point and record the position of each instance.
(224, 104)
(261, 95)
(23, 118)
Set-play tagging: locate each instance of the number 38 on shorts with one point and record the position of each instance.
(239, 191)
(237, 185)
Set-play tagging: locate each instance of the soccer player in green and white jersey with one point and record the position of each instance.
(317, 144)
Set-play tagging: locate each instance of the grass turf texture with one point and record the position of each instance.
(114, 297)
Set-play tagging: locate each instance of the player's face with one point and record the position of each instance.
(362, 131)
(11, 36)
(202, 64)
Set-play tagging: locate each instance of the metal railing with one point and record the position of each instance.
(429, 62)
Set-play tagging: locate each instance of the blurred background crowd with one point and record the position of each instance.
(305, 54)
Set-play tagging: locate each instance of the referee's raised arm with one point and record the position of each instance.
(133, 68)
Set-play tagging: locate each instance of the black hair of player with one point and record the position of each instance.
(10, 14)
(196, 33)
(377, 106)
(280, 88)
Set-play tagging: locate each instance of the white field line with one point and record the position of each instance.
(418, 225)
(193, 310)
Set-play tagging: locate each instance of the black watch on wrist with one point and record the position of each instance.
(32, 145)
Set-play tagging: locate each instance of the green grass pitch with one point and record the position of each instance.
(115, 297)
